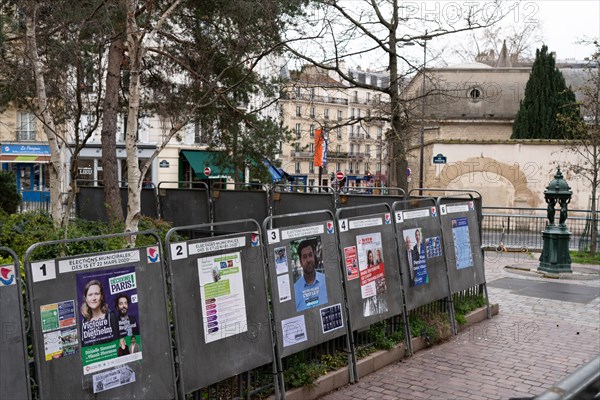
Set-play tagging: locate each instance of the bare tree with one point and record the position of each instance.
(375, 31)
(586, 136)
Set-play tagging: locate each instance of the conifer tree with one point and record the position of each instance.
(546, 95)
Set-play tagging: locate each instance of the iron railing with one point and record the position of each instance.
(521, 228)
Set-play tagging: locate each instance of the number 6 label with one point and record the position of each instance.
(43, 270)
(273, 235)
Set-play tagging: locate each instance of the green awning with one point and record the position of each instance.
(202, 159)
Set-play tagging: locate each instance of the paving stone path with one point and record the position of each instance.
(531, 345)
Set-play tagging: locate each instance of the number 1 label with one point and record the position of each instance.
(43, 270)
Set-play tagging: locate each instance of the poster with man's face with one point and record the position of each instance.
(310, 288)
(416, 256)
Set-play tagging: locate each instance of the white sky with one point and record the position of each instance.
(564, 22)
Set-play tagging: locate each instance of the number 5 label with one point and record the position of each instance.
(43, 270)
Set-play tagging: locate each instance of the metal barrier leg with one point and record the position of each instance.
(452, 315)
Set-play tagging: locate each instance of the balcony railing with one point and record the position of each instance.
(317, 98)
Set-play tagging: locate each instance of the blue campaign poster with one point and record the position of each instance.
(462, 243)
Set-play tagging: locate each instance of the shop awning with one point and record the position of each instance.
(201, 159)
(9, 158)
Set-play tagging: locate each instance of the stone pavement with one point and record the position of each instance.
(531, 345)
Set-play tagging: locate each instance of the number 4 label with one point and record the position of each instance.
(43, 270)
(343, 225)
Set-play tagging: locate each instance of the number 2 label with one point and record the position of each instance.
(178, 251)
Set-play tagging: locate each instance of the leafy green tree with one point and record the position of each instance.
(9, 195)
(546, 95)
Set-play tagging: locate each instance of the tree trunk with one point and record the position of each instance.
(112, 198)
(55, 168)
(398, 163)
(134, 181)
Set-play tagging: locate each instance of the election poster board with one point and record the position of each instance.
(100, 324)
(305, 281)
(462, 243)
(220, 304)
(14, 368)
(372, 276)
(422, 251)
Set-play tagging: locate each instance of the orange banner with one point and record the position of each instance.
(318, 158)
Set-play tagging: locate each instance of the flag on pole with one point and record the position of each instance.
(320, 157)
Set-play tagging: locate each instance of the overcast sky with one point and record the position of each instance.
(562, 24)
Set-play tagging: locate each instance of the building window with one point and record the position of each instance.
(297, 147)
(312, 93)
(338, 148)
(326, 113)
(369, 95)
(368, 150)
(26, 126)
(339, 132)
(312, 112)
(338, 166)
(340, 115)
(298, 91)
(379, 167)
(378, 151)
(312, 148)
(379, 133)
(475, 94)
(312, 130)
(367, 169)
(311, 167)
(355, 96)
(352, 113)
(298, 111)
(297, 168)
(298, 131)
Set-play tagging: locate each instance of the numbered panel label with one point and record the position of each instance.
(43, 270)
(179, 251)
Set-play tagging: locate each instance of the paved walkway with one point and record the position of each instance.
(532, 344)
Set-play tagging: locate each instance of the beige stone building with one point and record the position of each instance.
(469, 113)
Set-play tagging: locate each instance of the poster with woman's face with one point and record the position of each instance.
(108, 316)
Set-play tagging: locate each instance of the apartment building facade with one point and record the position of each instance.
(350, 118)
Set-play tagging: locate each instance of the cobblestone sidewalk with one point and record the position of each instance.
(532, 344)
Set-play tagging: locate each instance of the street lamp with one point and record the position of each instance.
(422, 130)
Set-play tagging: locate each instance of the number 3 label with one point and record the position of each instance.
(178, 251)
(43, 270)
(273, 235)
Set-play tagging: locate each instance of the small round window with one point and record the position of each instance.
(475, 94)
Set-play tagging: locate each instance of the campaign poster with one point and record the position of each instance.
(416, 256)
(310, 286)
(109, 318)
(433, 246)
(351, 262)
(222, 296)
(331, 318)
(372, 273)
(281, 261)
(462, 243)
(60, 329)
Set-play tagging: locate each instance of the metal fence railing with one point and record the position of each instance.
(521, 228)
